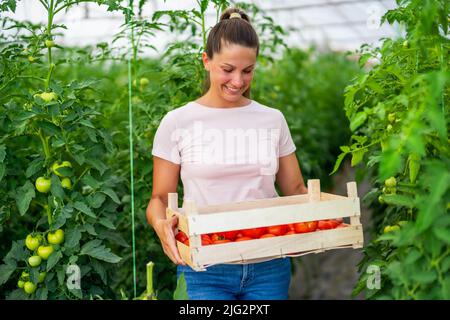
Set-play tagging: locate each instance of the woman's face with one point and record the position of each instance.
(231, 71)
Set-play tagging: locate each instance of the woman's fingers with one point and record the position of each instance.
(171, 243)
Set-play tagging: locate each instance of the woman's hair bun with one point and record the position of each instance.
(234, 13)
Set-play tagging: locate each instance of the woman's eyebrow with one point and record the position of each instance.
(235, 67)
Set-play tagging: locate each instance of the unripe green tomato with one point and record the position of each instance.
(66, 183)
(389, 127)
(32, 243)
(20, 283)
(144, 82)
(391, 182)
(29, 287)
(34, 261)
(42, 276)
(49, 43)
(391, 117)
(43, 185)
(45, 251)
(25, 275)
(381, 200)
(31, 59)
(48, 96)
(56, 237)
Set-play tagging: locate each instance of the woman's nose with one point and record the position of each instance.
(237, 81)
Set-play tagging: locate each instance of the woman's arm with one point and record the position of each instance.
(165, 180)
(289, 177)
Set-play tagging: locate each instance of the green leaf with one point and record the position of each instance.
(41, 293)
(34, 167)
(90, 181)
(81, 206)
(24, 196)
(73, 237)
(111, 194)
(358, 120)
(6, 270)
(107, 223)
(357, 156)
(180, 292)
(98, 267)
(53, 260)
(96, 200)
(2, 171)
(97, 164)
(442, 234)
(97, 250)
(390, 164)
(56, 188)
(2, 153)
(399, 200)
(424, 277)
(338, 162)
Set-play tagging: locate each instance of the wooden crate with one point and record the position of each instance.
(313, 206)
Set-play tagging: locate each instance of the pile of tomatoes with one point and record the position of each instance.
(263, 232)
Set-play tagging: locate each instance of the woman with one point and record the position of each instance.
(226, 148)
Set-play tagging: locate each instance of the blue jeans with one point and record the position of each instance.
(256, 281)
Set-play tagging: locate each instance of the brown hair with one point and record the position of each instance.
(230, 31)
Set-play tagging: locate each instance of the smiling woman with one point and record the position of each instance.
(226, 148)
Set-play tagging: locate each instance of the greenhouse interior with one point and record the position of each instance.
(109, 191)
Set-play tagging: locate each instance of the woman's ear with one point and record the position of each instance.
(205, 61)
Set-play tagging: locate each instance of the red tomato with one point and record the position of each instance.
(239, 235)
(290, 232)
(334, 223)
(312, 226)
(267, 235)
(254, 232)
(230, 235)
(181, 236)
(206, 240)
(243, 239)
(277, 230)
(291, 226)
(324, 225)
(186, 242)
(301, 227)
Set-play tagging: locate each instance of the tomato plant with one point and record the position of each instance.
(398, 113)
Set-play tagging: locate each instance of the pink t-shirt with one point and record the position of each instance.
(226, 155)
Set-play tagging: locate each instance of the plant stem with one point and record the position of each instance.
(48, 37)
(44, 141)
(149, 291)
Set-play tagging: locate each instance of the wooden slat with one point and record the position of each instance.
(244, 219)
(314, 190)
(185, 253)
(183, 224)
(352, 193)
(254, 204)
(329, 196)
(278, 246)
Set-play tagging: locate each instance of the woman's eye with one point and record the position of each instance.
(248, 71)
(227, 71)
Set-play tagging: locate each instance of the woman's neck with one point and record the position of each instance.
(214, 101)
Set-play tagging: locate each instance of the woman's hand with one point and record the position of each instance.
(165, 229)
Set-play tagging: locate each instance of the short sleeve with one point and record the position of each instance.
(286, 144)
(165, 142)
